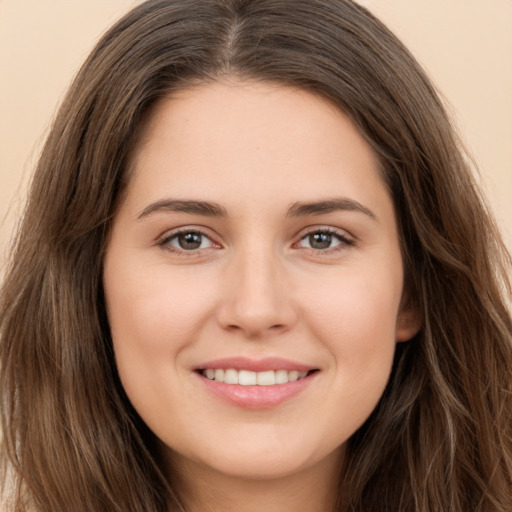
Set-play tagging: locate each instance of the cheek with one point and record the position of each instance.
(355, 311)
(149, 310)
(152, 320)
(354, 317)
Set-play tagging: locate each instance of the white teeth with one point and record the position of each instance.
(231, 377)
(293, 375)
(281, 376)
(266, 378)
(248, 378)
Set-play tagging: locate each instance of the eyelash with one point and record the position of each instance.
(165, 242)
(344, 240)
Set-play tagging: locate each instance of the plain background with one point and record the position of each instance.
(465, 46)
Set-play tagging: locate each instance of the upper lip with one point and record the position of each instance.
(255, 365)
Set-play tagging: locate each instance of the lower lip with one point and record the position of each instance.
(257, 397)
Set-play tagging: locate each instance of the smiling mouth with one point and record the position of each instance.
(251, 378)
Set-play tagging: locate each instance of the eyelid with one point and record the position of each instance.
(345, 238)
(163, 240)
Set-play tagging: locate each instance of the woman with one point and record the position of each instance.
(254, 272)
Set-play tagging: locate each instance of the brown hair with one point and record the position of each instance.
(441, 436)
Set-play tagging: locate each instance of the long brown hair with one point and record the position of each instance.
(440, 438)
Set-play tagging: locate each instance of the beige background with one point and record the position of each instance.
(465, 45)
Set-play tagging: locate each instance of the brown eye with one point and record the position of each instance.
(323, 240)
(320, 240)
(188, 241)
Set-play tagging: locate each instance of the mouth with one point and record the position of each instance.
(245, 377)
(256, 384)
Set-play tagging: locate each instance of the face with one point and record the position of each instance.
(254, 280)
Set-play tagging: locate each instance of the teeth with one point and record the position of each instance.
(266, 378)
(248, 378)
(281, 376)
(231, 377)
(293, 375)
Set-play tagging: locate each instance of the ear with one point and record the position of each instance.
(409, 320)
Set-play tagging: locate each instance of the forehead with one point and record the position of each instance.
(269, 140)
(238, 114)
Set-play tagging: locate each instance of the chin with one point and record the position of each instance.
(249, 459)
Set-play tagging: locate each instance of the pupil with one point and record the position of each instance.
(190, 241)
(320, 240)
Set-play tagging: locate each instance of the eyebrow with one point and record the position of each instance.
(301, 209)
(185, 206)
(298, 209)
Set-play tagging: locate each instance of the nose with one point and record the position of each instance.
(258, 297)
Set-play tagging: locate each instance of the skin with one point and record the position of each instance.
(257, 287)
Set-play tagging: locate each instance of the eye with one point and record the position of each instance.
(187, 240)
(323, 240)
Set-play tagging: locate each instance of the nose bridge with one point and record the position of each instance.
(258, 300)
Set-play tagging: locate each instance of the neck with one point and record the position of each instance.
(311, 490)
